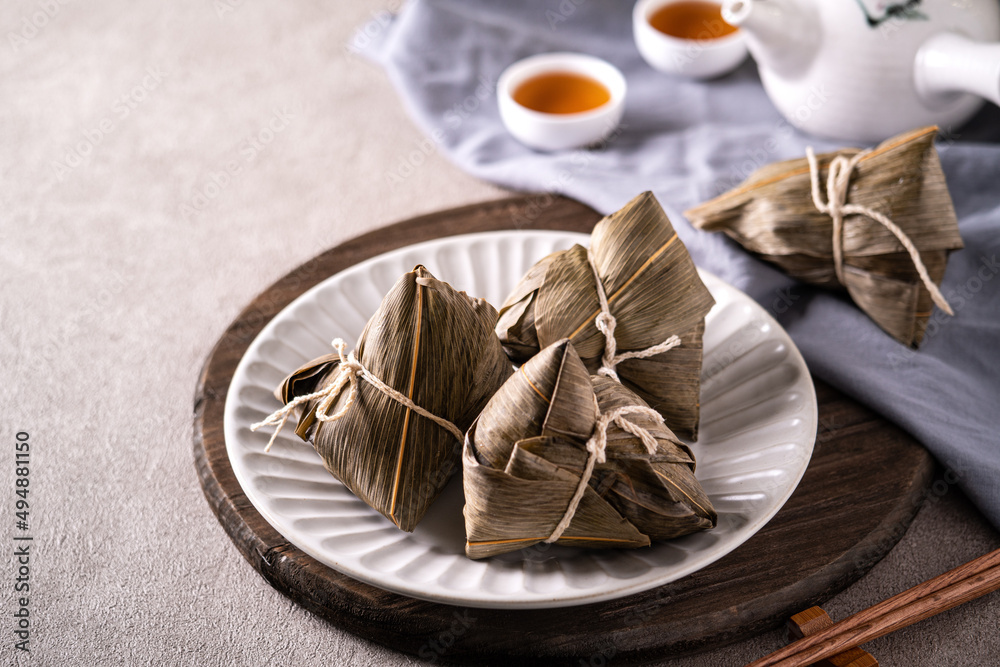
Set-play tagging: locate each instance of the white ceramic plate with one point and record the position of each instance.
(758, 425)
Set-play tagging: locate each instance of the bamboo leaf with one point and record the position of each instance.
(653, 291)
(525, 455)
(773, 216)
(537, 401)
(434, 345)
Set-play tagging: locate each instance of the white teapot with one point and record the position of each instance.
(864, 70)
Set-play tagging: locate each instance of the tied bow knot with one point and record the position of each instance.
(597, 453)
(349, 371)
(837, 185)
(606, 323)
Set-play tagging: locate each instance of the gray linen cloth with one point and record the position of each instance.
(689, 141)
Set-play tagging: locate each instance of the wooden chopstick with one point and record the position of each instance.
(955, 587)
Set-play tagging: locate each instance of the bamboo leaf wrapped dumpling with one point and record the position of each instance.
(435, 347)
(533, 472)
(656, 492)
(653, 292)
(843, 220)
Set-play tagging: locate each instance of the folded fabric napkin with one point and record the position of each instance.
(689, 141)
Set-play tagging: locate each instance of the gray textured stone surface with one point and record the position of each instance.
(113, 294)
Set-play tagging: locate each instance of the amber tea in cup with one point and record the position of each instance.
(560, 101)
(561, 92)
(691, 19)
(687, 37)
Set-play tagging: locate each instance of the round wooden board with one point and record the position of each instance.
(866, 480)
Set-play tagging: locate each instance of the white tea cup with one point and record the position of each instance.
(559, 131)
(708, 55)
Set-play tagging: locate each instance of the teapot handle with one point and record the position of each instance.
(949, 63)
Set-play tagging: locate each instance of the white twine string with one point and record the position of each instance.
(350, 370)
(597, 445)
(606, 323)
(836, 206)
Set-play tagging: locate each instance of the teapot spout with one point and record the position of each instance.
(782, 35)
(948, 64)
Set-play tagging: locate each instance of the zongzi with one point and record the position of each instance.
(560, 456)
(388, 420)
(633, 305)
(883, 232)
